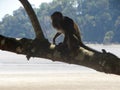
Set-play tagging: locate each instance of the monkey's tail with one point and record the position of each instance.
(86, 47)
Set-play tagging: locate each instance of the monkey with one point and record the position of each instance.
(65, 25)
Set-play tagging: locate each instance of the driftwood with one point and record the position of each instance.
(40, 47)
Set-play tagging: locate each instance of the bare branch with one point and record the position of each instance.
(33, 18)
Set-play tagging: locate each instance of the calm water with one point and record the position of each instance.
(10, 62)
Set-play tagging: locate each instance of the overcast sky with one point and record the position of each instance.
(8, 6)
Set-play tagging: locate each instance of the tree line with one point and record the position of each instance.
(98, 20)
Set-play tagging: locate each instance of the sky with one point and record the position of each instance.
(8, 6)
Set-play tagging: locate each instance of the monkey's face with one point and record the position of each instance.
(56, 21)
(56, 24)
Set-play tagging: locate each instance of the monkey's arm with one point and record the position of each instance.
(57, 34)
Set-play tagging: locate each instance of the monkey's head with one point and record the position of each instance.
(57, 19)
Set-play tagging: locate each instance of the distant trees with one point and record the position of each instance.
(17, 25)
(99, 20)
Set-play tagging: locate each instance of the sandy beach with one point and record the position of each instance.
(59, 81)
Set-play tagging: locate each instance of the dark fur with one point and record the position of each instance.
(70, 29)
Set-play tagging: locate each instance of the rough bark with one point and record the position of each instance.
(40, 47)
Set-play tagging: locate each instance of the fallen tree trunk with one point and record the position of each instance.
(40, 47)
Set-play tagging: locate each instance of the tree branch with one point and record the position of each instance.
(33, 18)
(103, 62)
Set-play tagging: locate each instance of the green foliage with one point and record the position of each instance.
(17, 25)
(94, 17)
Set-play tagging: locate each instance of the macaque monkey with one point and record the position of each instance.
(65, 25)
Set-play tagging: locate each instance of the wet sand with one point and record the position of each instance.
(59, 81)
